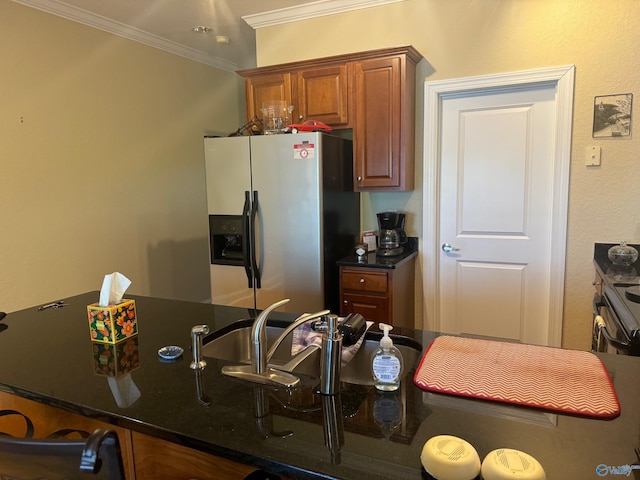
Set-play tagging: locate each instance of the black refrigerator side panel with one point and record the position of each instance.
(340, 212)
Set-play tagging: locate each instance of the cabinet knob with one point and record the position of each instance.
(359, 179)
(345, 302)
(362, 281)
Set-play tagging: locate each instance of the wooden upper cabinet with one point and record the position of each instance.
(384, 123)
(262, 89)
(322, 95)
(371, 92)
(379, 148)
(318, 93)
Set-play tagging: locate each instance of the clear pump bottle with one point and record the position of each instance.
(386, 363)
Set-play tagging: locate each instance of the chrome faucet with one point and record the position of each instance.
(259, 354)
(259, 370)
(291, 328)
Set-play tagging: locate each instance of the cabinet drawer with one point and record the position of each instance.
(361, 281)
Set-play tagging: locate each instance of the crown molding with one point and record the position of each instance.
(90, 19)
(320, 8)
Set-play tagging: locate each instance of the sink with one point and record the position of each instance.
(358, 370)
(233, 344)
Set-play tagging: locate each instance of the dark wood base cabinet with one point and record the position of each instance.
(157, 458)
(49, 421)
(379, 295)
(145, 457)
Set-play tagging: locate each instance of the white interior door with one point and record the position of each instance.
(497, 218)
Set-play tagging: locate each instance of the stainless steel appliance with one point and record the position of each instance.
(281, 212)
(391, 234)
(616, 324)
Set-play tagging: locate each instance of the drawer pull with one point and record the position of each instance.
(362, 281)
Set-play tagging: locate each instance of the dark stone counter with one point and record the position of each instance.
(47, 356)
(615, 273)
(371, 260)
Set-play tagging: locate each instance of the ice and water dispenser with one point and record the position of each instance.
(226, 239)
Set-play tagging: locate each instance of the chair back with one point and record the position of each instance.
(97, 457)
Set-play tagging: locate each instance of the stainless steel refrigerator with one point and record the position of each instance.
(282, 210)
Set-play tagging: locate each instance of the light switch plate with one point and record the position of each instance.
(592, 156)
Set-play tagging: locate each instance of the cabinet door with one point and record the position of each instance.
(383, 138)
(264, 88)
(377, 123)
(157, 458)
(322, 95)
(372, 307)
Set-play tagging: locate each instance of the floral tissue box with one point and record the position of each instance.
(113, 323)
(116, 360)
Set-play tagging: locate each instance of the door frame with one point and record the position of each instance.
(435, 91)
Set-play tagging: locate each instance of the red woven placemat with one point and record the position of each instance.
(567, 381)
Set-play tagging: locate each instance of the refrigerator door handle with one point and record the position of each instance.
(254, 262)
(246, 241)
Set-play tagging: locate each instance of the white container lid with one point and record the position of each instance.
(446, 457)
(510, 464)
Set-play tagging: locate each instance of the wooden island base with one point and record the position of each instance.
(144, 456)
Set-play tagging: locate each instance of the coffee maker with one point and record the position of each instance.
(391, 234)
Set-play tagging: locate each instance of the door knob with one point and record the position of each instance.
(447, 248)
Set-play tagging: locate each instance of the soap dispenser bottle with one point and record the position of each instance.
(386, 363)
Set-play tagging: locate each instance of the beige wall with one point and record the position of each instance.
(101, 157)
(474, 37)
(101, 161)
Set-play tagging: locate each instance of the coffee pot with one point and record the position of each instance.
(391, 234)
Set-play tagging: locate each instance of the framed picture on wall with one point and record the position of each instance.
(612, 115)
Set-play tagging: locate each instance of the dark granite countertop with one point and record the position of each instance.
(372, 260)
(615, 273)
(47, 356)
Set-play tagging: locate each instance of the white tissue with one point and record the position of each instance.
(124, 390)
(113, 288)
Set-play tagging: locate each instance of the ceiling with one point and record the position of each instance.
(168, 24)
